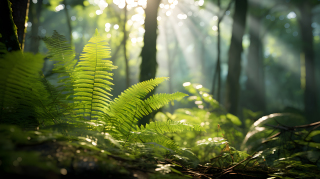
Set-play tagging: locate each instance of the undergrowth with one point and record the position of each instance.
(75, 128)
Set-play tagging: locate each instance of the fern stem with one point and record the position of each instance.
(94, 77)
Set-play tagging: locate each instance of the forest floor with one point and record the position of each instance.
(64, 160)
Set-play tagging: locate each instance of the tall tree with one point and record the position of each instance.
(9, 33)
(217, 73)
(255, 84)
(34, 16)
(234, 65)
(125, 45)
(148, 67)
(20, 12)
(310, 93)
(68, 19)
(170, 40)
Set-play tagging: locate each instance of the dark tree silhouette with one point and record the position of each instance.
(310, 93)
(125, 46)
(255, 84)
(234, 65)
(148, 67)
(8, 34)
(34, 16)
(217, 73)
(20, 10)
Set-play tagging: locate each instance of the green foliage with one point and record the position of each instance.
(81, 108)
(81, 113)
(292, 148)
(21, 91)
(12, 160)
(209, 115)
(92, 78)
(258, 133)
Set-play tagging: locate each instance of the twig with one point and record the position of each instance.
(228, 170)
(222, 15)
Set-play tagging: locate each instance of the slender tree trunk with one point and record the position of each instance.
(202, 58)
(218, 66)
(217, 72)
(310, 93)
(8, 29)
(170, 60)
(20, 10)
(68, 20)
(149, 64)
(34, 16)
(148, 67)
(234, 65)
(125, 46)
(255, 84)
(218, 56)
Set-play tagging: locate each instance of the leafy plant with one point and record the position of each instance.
(80, 107)
(221, 127)
(285, 144)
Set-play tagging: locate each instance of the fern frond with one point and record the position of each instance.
(124, 109)
(157, 101)
(128, 100)
(125, 117)
(92, 77)
(147, 136)
(171, 126)
(61, 52)
(140, 90)
(154, 133)
(19, 78)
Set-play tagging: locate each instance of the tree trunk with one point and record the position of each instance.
(171, 57)
(217, 72)
(149, 64)
(8, 29)
(125, 46)
(20, 12)
(310, 94)
(148, 67)
(34, 16)
(234, 65)
(255, 84)
(68, 20)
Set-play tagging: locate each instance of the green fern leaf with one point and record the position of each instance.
(147, 136)
(92, 77)
(157, 101)
(171, 126)
(61, 52)
(125, 112)
(123, 109)
(19, 77)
